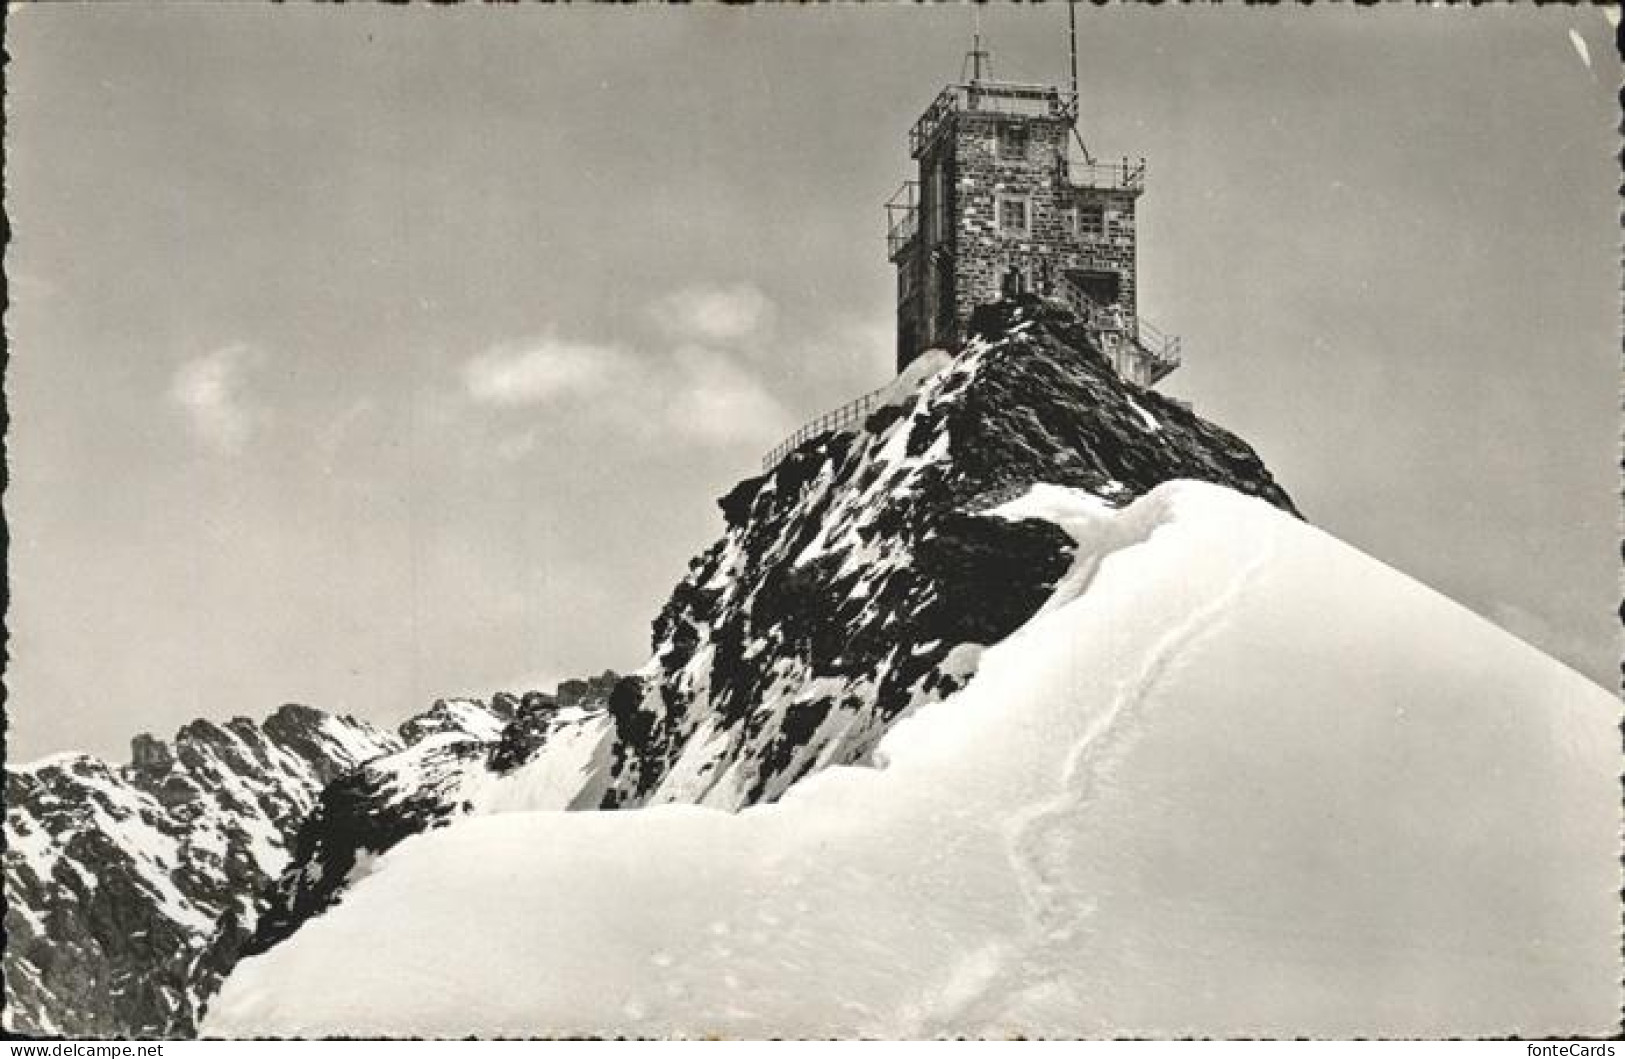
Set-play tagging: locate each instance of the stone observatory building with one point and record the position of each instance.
(1002, 205)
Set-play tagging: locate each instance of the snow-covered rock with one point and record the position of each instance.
(852, 573)
(854, 583)
(1234, 778)
(130, 887)
(447, 773)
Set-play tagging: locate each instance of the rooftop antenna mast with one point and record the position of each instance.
(1072, 36)
(977, 56)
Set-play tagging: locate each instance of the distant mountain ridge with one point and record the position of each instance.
(131, 888)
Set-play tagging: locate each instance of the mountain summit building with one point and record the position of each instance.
(999, 208)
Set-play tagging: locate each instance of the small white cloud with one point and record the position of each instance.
(717, 402)
(714, 314)
(212, 392)
(690, 395)
(540, 371)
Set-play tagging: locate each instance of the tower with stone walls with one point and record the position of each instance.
(1000, 207)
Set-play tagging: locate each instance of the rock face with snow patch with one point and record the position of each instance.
(476, 768)
(855, 582)
(129, 888)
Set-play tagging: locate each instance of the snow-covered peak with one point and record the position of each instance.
(855, 582)
(853, 569)
(476, 719)
(1235, 779)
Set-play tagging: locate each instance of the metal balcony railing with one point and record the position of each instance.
(902, 218)
(1161, 348)
(1156, 350)
(840, 418)
(990, 97)
(1127, 174)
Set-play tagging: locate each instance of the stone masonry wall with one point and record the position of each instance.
(976, 175)
(984, 252)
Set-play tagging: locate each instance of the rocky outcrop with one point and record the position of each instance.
(547, 756)
(855, 581)
(857, 578)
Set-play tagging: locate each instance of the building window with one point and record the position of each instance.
(1014, 215)
(1013, 141)
(1091, 222)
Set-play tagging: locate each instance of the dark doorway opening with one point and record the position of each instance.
(1104, 288)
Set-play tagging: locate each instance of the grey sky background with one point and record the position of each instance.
(366, 355)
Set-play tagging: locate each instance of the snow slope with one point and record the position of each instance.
(853, 583)
(1235, 778)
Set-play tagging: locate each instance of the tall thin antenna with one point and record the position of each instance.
(1077, 100)
(977, 55)
(1072, 28)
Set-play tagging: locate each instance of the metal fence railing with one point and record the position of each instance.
(1158, 351)
(840, 418)
(1163, 348)
(995, 97)
(1127, 174)
(902, 218)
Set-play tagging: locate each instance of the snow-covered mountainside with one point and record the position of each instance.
(854, 583)
(1232, 778)
(130, 889)
(452, 769)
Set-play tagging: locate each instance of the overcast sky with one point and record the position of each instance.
(365, 355)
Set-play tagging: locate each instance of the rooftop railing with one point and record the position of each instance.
(1127, 174)
(990, 97)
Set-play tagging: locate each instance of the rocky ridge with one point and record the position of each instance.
(856, 581)
(129, 886)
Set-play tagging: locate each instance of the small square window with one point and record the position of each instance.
(1013, 219)
(1012, 141)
